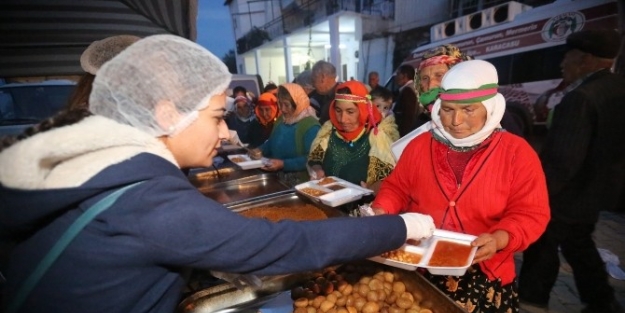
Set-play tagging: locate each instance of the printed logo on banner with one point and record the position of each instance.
(560, 26)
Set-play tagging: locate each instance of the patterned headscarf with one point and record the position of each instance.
(445, 54)
(267, 99)
(369, 115)
(248, 103)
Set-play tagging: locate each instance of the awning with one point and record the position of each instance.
(47, 37)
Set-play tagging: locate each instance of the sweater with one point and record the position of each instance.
(503, 188)
(291, 143)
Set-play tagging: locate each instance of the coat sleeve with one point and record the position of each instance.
(181, 227)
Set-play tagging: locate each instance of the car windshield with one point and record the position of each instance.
(27, 104)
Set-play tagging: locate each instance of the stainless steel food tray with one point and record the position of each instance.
(227, 298)
(206, 177)
(290, 199)
(245, 189)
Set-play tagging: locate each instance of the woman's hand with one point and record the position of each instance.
(255, 154)
(273, 165)
(319, 172)
(375, 186)
(489, 244)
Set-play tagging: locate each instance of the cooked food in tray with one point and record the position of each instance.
(336, 187)
(245, 162)
(313, 192)
(326, 181)
(403, 256)
(306, 212)
(332, 191)
(445, 253)
(364, 289)
(450, 254)
(238, 159)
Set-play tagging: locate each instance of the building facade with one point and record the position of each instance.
(278, 39)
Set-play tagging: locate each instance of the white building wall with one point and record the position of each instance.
(412, 13)
(373, 55)
(246, 14)
(377, 55)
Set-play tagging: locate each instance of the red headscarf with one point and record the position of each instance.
(267, 99)
(369, 115)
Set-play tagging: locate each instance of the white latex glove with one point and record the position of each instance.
(418, 226)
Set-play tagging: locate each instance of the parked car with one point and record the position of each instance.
(25, 104)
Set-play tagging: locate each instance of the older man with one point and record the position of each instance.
(374, 82)
(584, 163)
(324, 81)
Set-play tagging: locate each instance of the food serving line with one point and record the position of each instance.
(251, 192)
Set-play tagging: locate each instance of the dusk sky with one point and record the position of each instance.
(214, 27)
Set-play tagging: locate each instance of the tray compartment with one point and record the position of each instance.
(245, 189)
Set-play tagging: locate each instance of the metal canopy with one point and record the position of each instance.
(47, 37)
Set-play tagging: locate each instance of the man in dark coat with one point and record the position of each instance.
(584, 163)
(406, 107)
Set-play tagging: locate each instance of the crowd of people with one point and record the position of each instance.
(470, 171)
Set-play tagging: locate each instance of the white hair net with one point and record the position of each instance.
(157, 69)
(101, 51)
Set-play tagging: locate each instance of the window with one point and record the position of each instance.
(32, 103)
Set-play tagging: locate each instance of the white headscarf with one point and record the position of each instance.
(471, 75)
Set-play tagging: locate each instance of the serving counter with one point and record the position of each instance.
(259, 194)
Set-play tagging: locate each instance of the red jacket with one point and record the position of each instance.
(503, 188)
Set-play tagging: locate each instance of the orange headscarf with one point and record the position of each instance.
(267, 99)
(369, 115)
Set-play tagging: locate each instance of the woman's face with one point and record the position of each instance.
(196, 145)
(286, 108)
(462, 120)
(384, 106)
(431, 76)
(347, 115)
(243, 110)
(265, 112)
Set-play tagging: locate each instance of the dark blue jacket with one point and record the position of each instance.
(129, 259)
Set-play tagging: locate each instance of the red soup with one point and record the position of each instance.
(450, 254)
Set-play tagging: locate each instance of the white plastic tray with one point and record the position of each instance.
(426, 249)
(336, 193)
(248, 164)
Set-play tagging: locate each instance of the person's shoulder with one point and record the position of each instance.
(601, 85)
(422, 139)
(406, 91)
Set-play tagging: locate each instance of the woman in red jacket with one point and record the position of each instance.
(473, 177)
